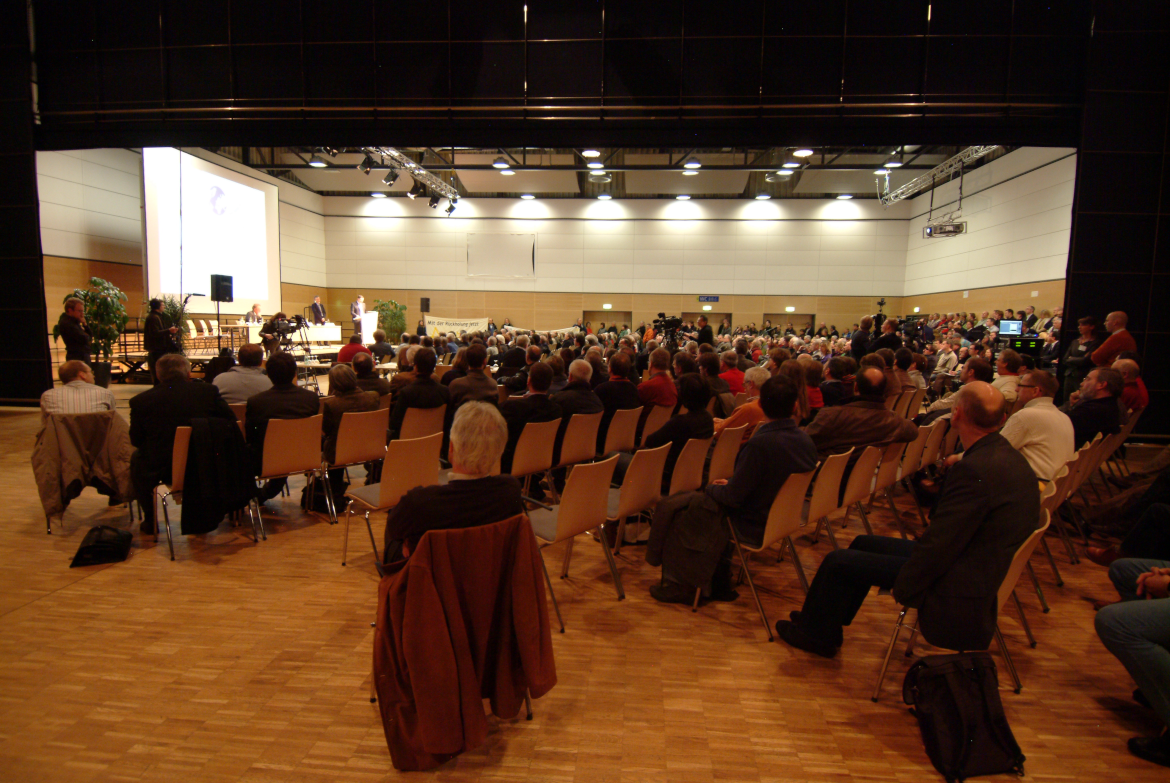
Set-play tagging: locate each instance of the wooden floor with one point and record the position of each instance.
(244, 662)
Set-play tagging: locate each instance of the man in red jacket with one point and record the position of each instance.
(1119, 340)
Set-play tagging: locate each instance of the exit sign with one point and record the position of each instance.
(708, 299)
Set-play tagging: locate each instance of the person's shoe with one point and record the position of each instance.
(797, 637)
(672, 594)
(1155, 749)
(726, 594)
(838, 638)
(148, 527)
(1141, 699)
(1103, 556)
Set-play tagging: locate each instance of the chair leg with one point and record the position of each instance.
(897, 516)
(621, 534)
(796, 562)
(617, 580)
(527, 705)
(1007, 658)
(345, 537)
(698, 595)
(864, 518)
(568, 557)
(1039, 591)
(889, 651)
(1052, 562)
(1024, 620)
(913, 634)
(747, 573)
(329, 503)
(167, 522)
(49, 524)
(552, 594)
(370, 530)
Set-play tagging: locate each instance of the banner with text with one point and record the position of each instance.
(437, 325)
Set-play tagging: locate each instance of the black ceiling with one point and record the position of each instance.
(673, 72)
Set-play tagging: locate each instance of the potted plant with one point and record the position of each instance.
(105, 312)
(391, 318)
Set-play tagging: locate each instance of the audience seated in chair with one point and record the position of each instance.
(367, 377)
(246, 378)
(860, 421)
(1039, 430)
(77, 392)
(618, 393)
(477, 383)
(534, 407)
(696, 422)
(285, 400)
(750, 413)
(1096, 408)
(421, 389)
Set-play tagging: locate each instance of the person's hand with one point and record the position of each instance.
(719, 482)
(951, 460)
(1075, 397)
(1154, 584)
(173, 330)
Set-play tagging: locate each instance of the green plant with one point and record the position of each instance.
(105, 313)
(174, 312)
(391, 317)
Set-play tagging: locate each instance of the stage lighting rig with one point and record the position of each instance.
(398, 160)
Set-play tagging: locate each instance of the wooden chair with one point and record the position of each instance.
(783, 520)
(640, 490)
(895, 402)
(861, 479)
(385, 401)
(911, 405)
(321, 406)
(887, 476)
(911, 464)
(421, 422)
(1007, 589)
(503, 394)
(739, 399)
(534, 450)
(825, 492)
(582, 508)
(659, 415)
(175, 488)
(238, 408)
(291, 447)
(950, 442)
(932, 452)
(724, 454)
(408, 464)
(578, 445)
(687, 475)
(623, 428)
(440, 371)
(361, 438)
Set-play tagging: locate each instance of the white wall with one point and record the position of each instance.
(91, 204)
(797, 247)
(1017, 230)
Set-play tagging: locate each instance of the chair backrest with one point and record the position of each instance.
(642, 483)
(659, 415)
(321, 406)
(724, 454)
(504, 393)
(739, 399)
(895, 402)
(421, 422)
(711, 406)
(409, 464)
(861, 477)
(580, 441)
(179, 457)
(191, 328)
(385, 401)
(1017, 403)
(440, 371)
(934, 443)
(622, 429)
(1020, 559)
(913, 403)
(887, 474)
(1048, 493)
(912, 458)
(784, 515)
(1084, 464)
(238, 408)
(534, 449)
(687, 475)
(951, 442)
(583, 503)
(291, 446)
(361, 437)
(828, 487)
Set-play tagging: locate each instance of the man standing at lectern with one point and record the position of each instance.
(356, 311)
(318, 311)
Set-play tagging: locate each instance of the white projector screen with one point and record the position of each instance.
(203, 219)
(501, 255)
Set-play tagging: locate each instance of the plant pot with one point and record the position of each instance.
(101, 373)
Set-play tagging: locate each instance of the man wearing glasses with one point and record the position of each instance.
(1039, 430)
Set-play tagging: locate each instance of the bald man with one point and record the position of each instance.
(988, 507)
(1133, 393)
(1119, 340)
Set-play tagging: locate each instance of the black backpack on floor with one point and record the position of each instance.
(956, 701)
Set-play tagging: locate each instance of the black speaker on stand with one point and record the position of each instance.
(221, 291)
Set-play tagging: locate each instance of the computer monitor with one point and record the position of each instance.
(1011, 328)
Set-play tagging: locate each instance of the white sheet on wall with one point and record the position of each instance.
(501, 255)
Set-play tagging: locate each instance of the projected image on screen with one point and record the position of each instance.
(204, 219)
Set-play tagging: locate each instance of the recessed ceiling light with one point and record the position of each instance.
(500, 163)
(892, 163)
(604, 196)
(317, 162)
(880, 172)
(689, 173)
(527, 197)
(507, 172)
(682, 197)
(763, 196)
(378, 195)
(595, 164)
(792, 164)
(600, 176)
(590, 154)
(844, 197)
(692, 163)
(802, 153)
(777, 176)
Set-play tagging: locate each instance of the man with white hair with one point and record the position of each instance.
(750, 413)
(77, 392)
(471, 497)
(577, 397)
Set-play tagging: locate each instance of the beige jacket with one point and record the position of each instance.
(75, 450)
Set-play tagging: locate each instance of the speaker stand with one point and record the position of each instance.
(218, 329)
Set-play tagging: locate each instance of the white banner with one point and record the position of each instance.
(437, 325)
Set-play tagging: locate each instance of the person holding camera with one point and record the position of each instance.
(271, 331)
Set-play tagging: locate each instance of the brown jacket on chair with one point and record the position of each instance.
(464, 619)
(75, 450)
(859, 422)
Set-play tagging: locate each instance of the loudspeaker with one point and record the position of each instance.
(424, 304)
(221, 288)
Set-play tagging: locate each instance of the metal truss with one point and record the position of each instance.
(400, 161)
(944, 169)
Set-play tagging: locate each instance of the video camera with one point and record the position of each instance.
(667, 328)
(285, 327)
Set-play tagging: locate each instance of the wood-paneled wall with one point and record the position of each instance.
(63, 275)
(1049, 294)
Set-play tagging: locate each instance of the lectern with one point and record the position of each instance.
(369, 324)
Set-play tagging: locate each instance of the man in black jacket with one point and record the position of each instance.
(693, 394)
(988, 507)
(889, 337)
(616, 394)
(157, 338)
(705, 335)
(367, 377)
(576, 397)
(1095, 408)
(155, 414)
(318, 311)
(535, 406)
(514, 356)
(423, 392)
(859, 342)
(74, 331)
(285, 400)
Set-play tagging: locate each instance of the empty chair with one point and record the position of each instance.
(580, 441)
(408, 464)
(861, 479)
(687, 475)
(421, 422)
(658, 416)
(724, 454)
(887, 475)
(623, 428)
(291, 447)
(361, 438)
(582, 508)
(640, 489)
(825, 492)
(911, 463)
(175, 490)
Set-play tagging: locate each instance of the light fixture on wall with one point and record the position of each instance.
(682, 197)
(590, 153)
(802, 153)
(317, 162)
(366, 164)
(500, 162)
(844, 197)
(377, 194)
(527, 196)
(916, 309)
(790, 309)
(604, 196)
(692, 163)
(607, 306)
(706, 307)
(390, 178)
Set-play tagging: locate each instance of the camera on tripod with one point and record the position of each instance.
(667, 328)
(287, 326)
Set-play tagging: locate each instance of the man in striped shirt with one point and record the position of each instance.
(77, 392)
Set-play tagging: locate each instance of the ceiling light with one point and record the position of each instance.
(451, 206)
(892, 163)
(844, 197)
(802, 153)
(790, 309)
(791, 164)
(590, 154)
(434, 202)
(692, 163)
(416, 190)
(366, 164)
(390, 178)
(604, 196)
(607, 306)
(762, 196)
(528, 197)
(317, 162)
(777, 176)
(689, 173)
(881, 172)
(507, 172)
(706, 307)
(595, 164)
(500, 163)
(682, 197)
(376, 194)
(600, 176)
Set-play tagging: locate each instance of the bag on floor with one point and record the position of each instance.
(103, 544)
(956, 701)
